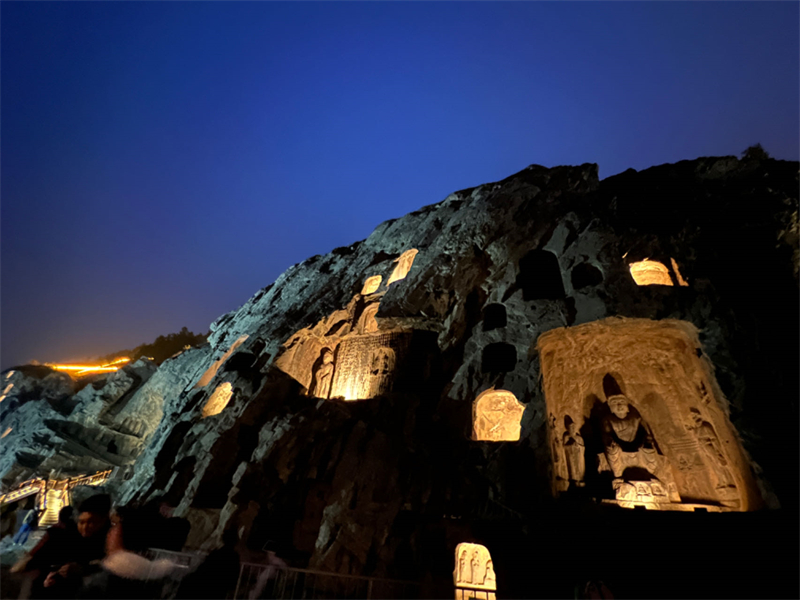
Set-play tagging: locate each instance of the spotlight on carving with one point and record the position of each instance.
(212, 370)
(496, 417)
(371, 285)
(650, 272)
(218, 400)
(404, 262)
(474, 575)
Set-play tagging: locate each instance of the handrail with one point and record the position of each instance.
(37, 485)
(330, 573)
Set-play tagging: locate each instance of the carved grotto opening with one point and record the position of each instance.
(498, 358)
(540, 276)
(474, 575)
(636, 416)
(494, 317)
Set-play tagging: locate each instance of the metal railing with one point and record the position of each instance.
(289, 583)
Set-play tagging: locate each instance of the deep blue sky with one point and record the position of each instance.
(161, 162)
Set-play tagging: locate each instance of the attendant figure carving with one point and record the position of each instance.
(574, 448)
(559, 466)
(324, 375)
(709, 442)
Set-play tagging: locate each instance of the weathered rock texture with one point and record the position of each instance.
(369, 466)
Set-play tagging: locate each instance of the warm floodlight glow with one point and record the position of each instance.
(496, 417)
(5, 391)
(5, 433)
(218, 400)
(681, 280)
(404, 262)
(650, 272)
(80, 370)
(371, 285)
(474, 575)
(212, 370)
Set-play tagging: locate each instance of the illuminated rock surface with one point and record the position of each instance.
(348, 436)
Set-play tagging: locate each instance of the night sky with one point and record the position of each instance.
(161, 162)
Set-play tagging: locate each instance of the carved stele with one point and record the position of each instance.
(670, 387)
(474, 570)
(495, 416)
(371, 285)
(404, 262)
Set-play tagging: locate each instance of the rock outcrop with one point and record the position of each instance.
(335, 410)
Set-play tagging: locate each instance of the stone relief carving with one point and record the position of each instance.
(650, 272)
(404, 262)
(368, 323)
(218, 400)
(381, 369)
(324, 375)
(496, 416)
(574, 450)
(631, 455)
(371, 285)
(556, 451)
(659, 436)
(709, 443)
(474, 570)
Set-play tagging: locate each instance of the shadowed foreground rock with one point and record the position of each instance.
(336, 411)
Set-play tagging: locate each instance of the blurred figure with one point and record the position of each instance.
(53, 551)
(28, 525)
(217, 574)
(266, 581)
(64, 580)
(124, 572)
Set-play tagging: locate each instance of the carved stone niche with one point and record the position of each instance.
(371, 285)
(496, 416)
(633, 397)
(404, 262)
(474, 575)
(218, 400)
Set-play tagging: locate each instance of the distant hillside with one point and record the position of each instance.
(162, 348)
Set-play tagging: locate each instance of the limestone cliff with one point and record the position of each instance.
(335, 411)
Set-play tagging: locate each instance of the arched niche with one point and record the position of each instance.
(540, 276)
(371, 285)
(367, 323)
(206, 378)
(494, 317)
(635, 414)
(404, 262)
(474, 575)
(650, 272)
(218, 400)
(496, 417)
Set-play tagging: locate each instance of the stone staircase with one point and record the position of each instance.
(54, 502)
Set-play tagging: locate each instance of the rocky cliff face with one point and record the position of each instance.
(336, 413)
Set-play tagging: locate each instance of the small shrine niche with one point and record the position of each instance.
(404, 262)
(496, 417)
(206, 378)
(474, 575)
(540, 276)
(650, 272)
(218, 400)
(635, 416)
(371, 285)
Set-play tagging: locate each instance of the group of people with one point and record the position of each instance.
(101, 555)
